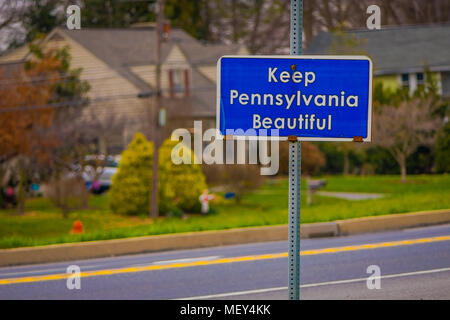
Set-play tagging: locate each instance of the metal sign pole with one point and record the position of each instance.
(295, 169)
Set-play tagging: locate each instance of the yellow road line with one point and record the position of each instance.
(376, 245)
(107, 272)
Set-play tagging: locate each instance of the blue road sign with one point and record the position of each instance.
(315, 98)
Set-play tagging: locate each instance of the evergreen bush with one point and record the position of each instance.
(131, 185)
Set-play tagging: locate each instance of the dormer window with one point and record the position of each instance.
(179, 82)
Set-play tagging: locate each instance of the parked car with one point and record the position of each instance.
(99, 172)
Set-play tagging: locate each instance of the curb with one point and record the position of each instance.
(116, 247)
(393, 222)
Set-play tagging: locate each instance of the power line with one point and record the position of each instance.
(68, 103)
(77, 102)
(47, 79)
(43, 79)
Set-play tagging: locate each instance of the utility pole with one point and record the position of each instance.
(156, 106)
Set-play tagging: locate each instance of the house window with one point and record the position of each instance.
(420, 78)
(405, 80)
(179, 82)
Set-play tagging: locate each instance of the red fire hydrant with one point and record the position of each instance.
(77, 227)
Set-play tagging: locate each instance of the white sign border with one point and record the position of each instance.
(304, 57)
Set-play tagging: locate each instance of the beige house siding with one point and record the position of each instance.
(210, 72)
(175, 60)
(111, 95)
(114, 94)
(243, 51)
(105, 84)
(148, 74)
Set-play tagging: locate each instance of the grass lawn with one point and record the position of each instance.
(43, 223)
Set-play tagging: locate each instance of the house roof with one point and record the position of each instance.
(398, 49)
(124, 48)
(132, 46)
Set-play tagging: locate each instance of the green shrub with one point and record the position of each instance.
(180, 185)
(131, 185)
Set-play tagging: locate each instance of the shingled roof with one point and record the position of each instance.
(400, 49)
(124, 48)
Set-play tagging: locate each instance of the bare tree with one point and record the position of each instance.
(12, 11)
(418, 11)
(263, 25)
(76, 139)
(402, 129)
(107, 129)
(243, 178)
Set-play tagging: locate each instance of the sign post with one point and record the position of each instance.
(295, 98)
(295, 160)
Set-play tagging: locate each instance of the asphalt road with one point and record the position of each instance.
(414, 264)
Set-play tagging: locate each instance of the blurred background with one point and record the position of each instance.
(82, 110)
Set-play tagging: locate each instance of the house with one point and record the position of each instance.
(400, 54)
(119, 64)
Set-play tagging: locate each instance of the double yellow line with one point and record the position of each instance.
(107, 272)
